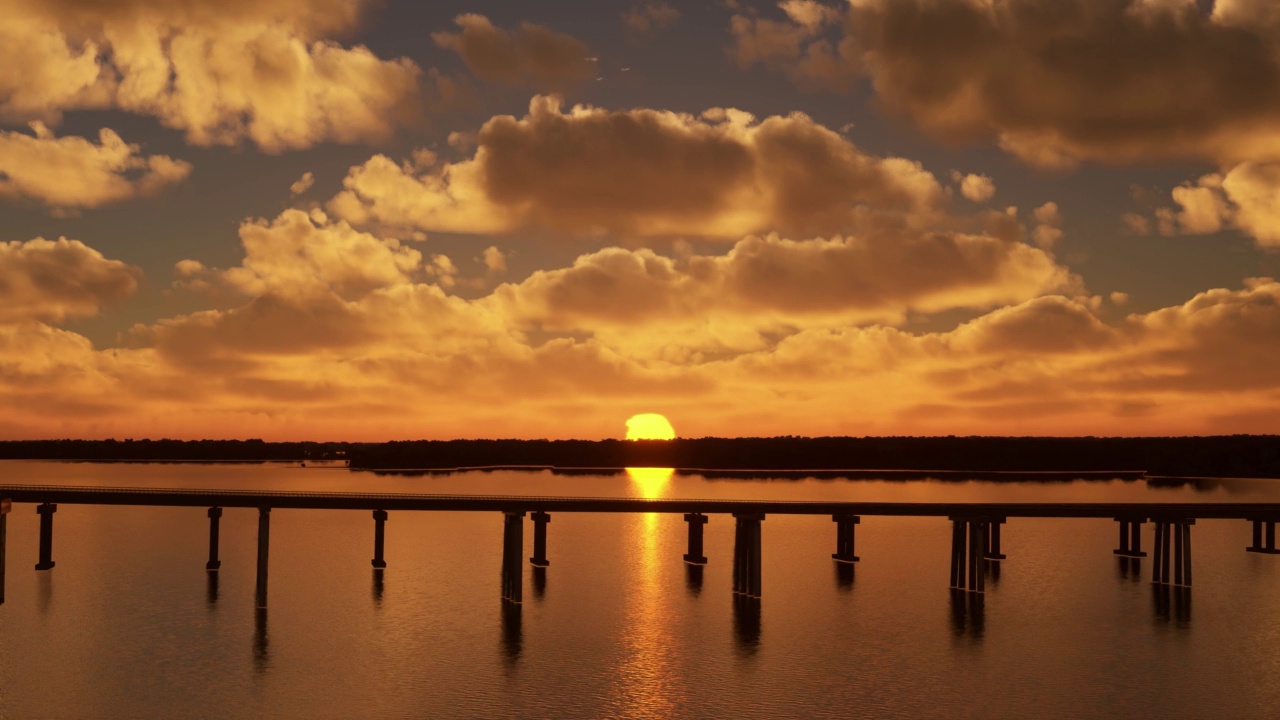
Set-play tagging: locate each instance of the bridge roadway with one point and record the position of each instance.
(975, 537)
(186, 497)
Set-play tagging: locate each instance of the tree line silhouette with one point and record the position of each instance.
(1216, 456)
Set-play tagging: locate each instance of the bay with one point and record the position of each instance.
(128, 625)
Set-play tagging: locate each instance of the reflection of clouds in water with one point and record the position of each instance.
(648, 686)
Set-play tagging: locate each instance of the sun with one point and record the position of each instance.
(649, 426)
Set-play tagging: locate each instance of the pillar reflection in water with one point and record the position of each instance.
(647, 677)
(211, 589)
(1171, 604)
(261, 650)
(968, 613)
(693, 578)
(539, 582)
(844, 576)
(378, 586)
(746, 623)
(512, 631)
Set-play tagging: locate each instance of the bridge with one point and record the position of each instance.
(975, 537)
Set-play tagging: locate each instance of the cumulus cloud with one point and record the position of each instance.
(1176, 81)
(1246, 198)
(51, 280)
(495, 261)
(642, 172)
(771, 284)
(302, 184)
(300, 254)
(974, 188)
(221, 72)
(310, 347)
(798, 45)
(650, 15)
(1048, 230)
(532, 54)
(72, 172)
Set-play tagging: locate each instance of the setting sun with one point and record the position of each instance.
(649, 426)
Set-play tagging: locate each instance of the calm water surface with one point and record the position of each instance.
(128, 626)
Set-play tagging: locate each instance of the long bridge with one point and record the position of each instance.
(975, 537)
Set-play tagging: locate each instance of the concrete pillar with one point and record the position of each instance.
(512, 552)
(993, 540)
(1160, 561)
(1265, 546)
(540, 520)
(747, 578)
(46, 511)
(740, 553)
(958, 527)
(845, 527)
(264, 543)
(977, 549)
(5, 506)
(696, 521)
(969, 551)
(1130, 537)
(1182, 575)
(215, 514)
(1178, 533)
(379, 538)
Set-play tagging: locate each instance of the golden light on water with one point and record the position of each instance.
(649, 426)
(651, 482)
(649, 685)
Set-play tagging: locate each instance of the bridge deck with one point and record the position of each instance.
(186, 497)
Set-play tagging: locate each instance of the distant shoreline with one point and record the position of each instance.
(1029, 458)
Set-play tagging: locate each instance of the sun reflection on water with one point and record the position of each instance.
(649, 684)
(650, 482)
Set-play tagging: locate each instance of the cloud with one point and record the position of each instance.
(1246, 198)
(51, 280)
(645, 304)
(222, 72)
(302, 184)
(1176, 81)
(974, 188)
(797, 45)
(72, 172)
(301, 254)
(650, 15)
(494, 260)
(377, 350)
(530, 55)
(586, 171)
(1048, 230)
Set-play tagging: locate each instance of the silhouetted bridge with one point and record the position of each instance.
(975, 537)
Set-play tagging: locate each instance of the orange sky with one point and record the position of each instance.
(339, 221)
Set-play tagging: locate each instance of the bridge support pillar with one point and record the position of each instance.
(379, 538)
(264, 546)
(696, 521)
(215, 515)
(747, 554)
(845, 526)
(1172, 552)
(540, 520)
(992, 551)
(1263, 528)
(968, 553)
(5, 506)
(46, 511)
(512, 552)
(1130, 537)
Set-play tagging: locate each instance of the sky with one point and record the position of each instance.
(348, 220)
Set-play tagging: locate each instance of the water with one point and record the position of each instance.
(127, 626)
